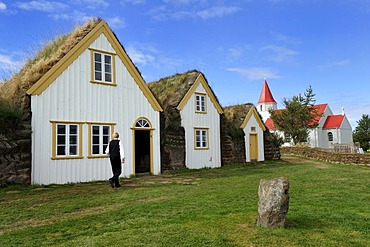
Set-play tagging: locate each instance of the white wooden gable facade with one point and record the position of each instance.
(91, 92)
(200, 117)
(253, 129)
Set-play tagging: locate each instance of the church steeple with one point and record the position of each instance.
(266, 95)
(266, 102)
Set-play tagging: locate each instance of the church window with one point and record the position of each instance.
(330, 136)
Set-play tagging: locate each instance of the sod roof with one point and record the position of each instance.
(170, 90)
(14, 89)
(173, 91)
(236, 114)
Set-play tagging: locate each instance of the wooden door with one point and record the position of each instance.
(253, 147)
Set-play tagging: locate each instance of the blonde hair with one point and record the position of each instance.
(115, 135)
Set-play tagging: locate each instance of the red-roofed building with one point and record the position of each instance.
(331, 129)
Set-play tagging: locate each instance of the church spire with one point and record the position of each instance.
(266, 95)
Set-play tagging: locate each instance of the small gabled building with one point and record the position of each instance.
(191, 121)
(83, 87)
(253, 128)
(243, 134)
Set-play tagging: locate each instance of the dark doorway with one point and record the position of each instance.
(142, 151)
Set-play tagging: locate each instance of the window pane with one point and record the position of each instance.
(61, 140)
(98, 67)
(95, 130)
(61, 150)
(108, 77)
(108, 59)
(95, 139)
(72, 139)
(108, 68)
(106, 130)
(95, 149)
(104, 147)
(61, 129)
(98, 76)
(105, 139)
(198, 144)
(97, 57)
(73, 129)
(73, 150)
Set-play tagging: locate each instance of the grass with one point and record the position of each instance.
(329, 206)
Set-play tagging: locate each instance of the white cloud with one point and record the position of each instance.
(8, 64)
(334, 64)
(116, 22)
(235, 53)
(42, 5)
(255, 73)
(138, 56)
(2, 6)
(183, 2)
(134, 2)
(94, 4)
(218, 11)
(286, 39)
(278, 53)
(179, 12)
(147, 54)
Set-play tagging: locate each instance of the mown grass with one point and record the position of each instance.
(329, 206)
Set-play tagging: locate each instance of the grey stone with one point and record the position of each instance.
(273, 203)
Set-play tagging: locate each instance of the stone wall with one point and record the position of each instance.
(272, 150)
(15, 155)
(324, 155)
(232, 149)
(173, 150)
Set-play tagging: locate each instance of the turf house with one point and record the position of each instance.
(190, 122)
(75, 93)
(245, 137)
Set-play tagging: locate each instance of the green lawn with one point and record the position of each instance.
(329, 206)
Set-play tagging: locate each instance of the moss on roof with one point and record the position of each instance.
(169, 91)
(236, 113)
(234, 116)
(14, 90)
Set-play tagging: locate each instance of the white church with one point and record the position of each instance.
(332, 128)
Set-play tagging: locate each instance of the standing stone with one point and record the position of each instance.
(273, 203)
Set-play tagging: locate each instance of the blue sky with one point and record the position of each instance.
(235, 43)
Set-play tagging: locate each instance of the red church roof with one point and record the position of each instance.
(320, 108)
(266, 95)
(334, 121)
(270, 124)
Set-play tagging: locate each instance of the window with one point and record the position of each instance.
(201, 138)
(287, 137)
(330, 137)
(99, 138)
(102, 67)
(253, 129)
(142, 123)
(200, 103)
(66, 140)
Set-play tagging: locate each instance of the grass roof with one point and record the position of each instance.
(235, 114)
(169, 91)
(14, 89)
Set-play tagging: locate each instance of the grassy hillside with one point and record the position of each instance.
(329, 206)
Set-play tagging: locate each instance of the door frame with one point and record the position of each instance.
(139, 126)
